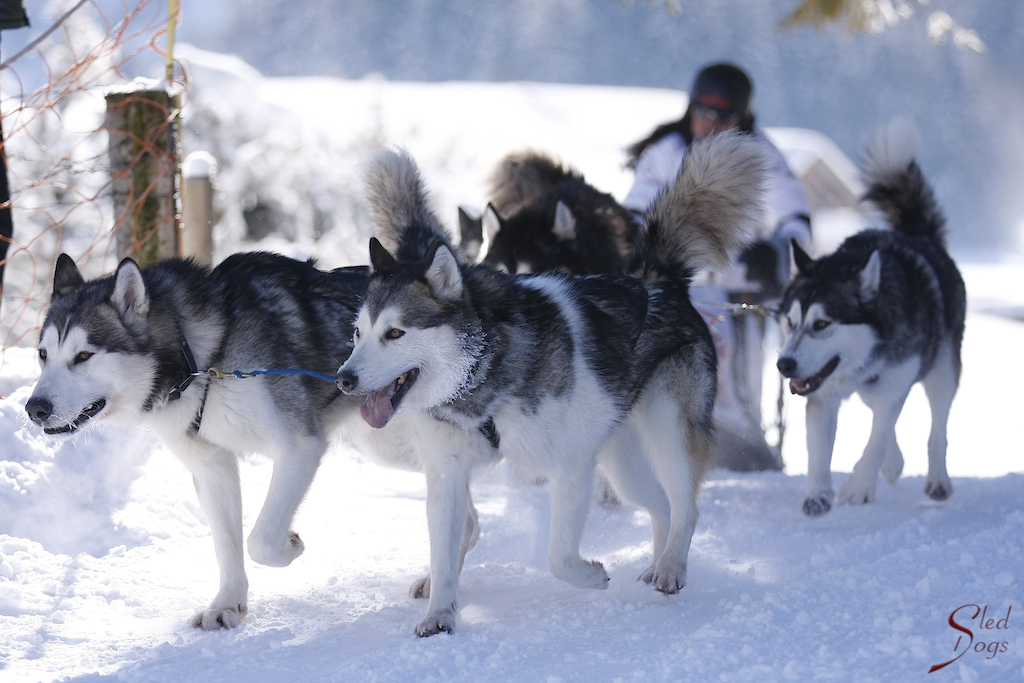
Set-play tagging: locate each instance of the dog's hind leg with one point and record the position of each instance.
(572, 490)
(470, 535)
(215, 474)
(272, 542)
(628, 468)
(680, 458)
(892, 468)
(822, 419)
(885, 398)
(940, 387)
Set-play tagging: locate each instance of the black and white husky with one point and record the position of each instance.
(133, 346)
(553, 372)
(885, 311)
(544, 217)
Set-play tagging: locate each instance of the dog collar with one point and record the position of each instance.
(187, 371)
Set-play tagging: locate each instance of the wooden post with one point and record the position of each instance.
(197, 233)
(143, 129)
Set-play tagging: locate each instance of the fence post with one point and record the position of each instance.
(143, 129)
(197, 201)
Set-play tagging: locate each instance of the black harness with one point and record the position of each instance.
(490, 433)
(187, 371)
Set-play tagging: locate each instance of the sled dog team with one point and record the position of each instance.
(450, 365)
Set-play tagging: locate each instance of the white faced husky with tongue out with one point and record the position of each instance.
(884, 311)
(552, 372)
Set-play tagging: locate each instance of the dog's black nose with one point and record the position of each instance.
(346, 380)
(38, 409)
(787, 366)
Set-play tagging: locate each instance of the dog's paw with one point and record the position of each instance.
(647, 576)
(215, 619)
(281, 556)
(582, 574)
(420, 588)
(815, 507)
(817, 504)
(668, 577)
(857, 492)
(433, 624)
(939, 490)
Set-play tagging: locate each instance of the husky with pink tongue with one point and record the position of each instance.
(883, 312)
(552, 372)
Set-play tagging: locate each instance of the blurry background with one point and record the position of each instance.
(968, 105)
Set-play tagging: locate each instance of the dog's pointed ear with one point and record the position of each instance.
(800, 257)
(565, 222)
(129, 298)
(470, 228)
(492, 223)
(871, 277)
(443, 275)
(380, 258)
(66, 276)
(472, 234)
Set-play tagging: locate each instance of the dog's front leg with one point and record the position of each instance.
(272, 541)
(447, 482)
(470, 535)
(885, 406)
(822, 418)
(215, 474)
(571, 493)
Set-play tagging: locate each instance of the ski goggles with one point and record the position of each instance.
(702, 111)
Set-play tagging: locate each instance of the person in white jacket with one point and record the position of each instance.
(720, 100)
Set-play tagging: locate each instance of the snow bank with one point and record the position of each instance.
(861, 594)
(105, 554)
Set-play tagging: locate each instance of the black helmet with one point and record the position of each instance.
(723, 88)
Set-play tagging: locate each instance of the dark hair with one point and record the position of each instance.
(723, 81)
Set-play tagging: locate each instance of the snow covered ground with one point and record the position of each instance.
(104, 552)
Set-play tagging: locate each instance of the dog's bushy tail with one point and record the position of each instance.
(399, 206)
(710, 209)
(896, 186)
(521, 176)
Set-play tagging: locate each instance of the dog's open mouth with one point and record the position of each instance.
(380, 406)
(90, 411)
(803, 387)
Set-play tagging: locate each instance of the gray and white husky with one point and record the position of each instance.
(885, 311)
(553, 372)
(544, 217)
(133, 346)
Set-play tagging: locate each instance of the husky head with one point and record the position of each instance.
(539, 238)
(826, 320)
(415, 343)
(92, 350)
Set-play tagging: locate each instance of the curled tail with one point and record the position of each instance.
(399, 207)
(710, 209)
(521, 176)
(896, 186)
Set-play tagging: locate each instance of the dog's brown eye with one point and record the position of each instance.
(394, 333)
(357, 334)
(83, 356)
(42, 354)
(819, 325)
